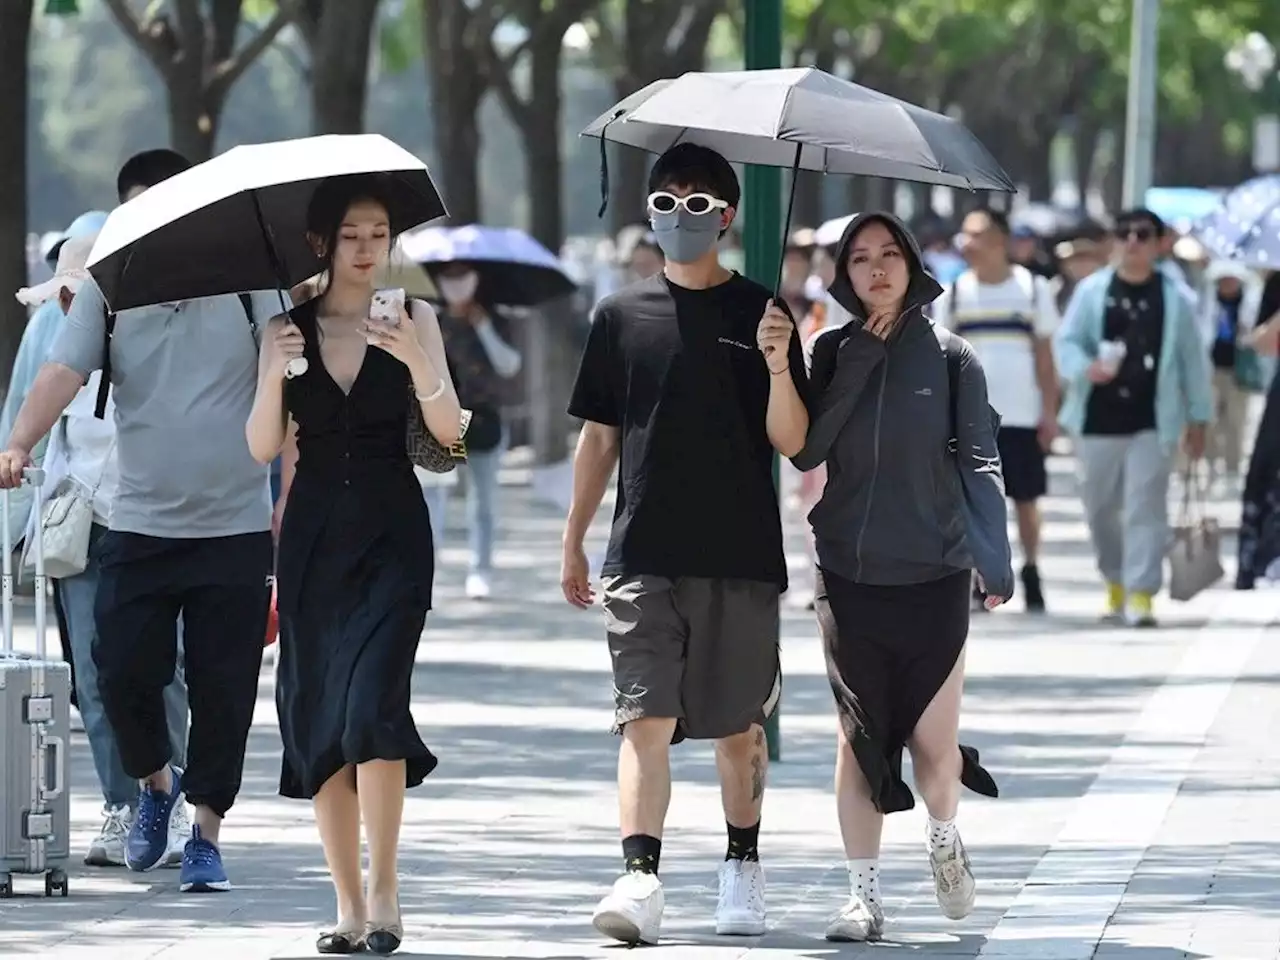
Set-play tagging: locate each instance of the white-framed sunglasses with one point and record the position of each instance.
(698, 204)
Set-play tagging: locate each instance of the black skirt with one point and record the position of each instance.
(889, 650)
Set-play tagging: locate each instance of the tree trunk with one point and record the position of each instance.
(196, 56)
(193, 122)
(457, 88)
(340, 53)
(1034, 156)
(15, 32)
(541, 132)
(1084, 145)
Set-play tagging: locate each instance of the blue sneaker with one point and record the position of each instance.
(149, 835)
(202, 866)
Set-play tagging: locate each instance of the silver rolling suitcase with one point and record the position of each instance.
(35, 725)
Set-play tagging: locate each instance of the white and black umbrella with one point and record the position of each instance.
(805, 119)
(515, 270)
(237, 223)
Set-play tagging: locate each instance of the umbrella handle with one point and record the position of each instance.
(298, 365)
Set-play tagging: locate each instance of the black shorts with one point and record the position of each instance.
(1022, 461)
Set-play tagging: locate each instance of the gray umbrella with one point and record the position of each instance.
(805, 119)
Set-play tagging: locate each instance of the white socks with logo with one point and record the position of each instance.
(942, 833)
(864, 881)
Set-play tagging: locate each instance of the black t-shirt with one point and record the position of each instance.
(678, 371)
(1135, 315)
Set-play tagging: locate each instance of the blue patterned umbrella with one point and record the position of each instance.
(515, 269)
(1246, 225)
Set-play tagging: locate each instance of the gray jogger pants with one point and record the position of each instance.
(1124, 482)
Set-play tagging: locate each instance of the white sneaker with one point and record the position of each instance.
(179, 834)
(856, 922)
(107, 849)
(632, 912)
(478, 586)
(740, 910)
(953, 880)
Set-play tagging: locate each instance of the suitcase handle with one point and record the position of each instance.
(58, 748)
(32, 477)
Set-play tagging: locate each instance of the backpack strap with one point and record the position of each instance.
(246, 303)
(104, 384)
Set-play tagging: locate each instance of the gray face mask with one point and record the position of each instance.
(684, 237)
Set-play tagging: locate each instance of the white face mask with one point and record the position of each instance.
(459, 289)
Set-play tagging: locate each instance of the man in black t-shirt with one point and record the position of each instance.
(690, 381)
(1138, 383)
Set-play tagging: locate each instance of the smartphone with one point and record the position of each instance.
(386, 306)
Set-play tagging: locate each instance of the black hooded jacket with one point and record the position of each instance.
(914, 490)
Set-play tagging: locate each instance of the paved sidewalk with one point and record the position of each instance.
(1139, 771)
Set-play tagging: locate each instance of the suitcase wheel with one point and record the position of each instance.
(6, 886)
(55, 883)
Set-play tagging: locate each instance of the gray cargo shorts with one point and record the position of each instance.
(702, 651)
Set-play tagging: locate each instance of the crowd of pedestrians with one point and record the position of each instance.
(865, 371)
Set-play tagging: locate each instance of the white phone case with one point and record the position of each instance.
(386, 306)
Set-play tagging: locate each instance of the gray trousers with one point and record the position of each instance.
(1124, 482)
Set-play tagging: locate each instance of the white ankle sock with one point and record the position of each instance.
(942, 833)
(864, 881)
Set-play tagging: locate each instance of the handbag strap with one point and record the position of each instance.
(1193, 497)
(105, 463)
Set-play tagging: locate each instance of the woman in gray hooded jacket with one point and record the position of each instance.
(914, 502)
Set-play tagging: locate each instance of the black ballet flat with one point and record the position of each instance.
(340, 942)
(383, 940)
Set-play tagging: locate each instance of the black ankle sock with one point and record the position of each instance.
(641, 853)
(742, 842)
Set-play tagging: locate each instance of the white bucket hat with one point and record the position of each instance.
(70, 272)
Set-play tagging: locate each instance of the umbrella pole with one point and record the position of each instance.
(786, 222)
(297, 366)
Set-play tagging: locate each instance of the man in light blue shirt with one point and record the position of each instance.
(189, 536)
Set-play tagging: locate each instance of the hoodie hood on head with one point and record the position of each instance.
(922, 288)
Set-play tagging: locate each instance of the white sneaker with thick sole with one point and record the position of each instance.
(179, 834)
(857, 922)
(107, 849)
(477, 587)
(632, 912)
(953, 880)
(740, 910)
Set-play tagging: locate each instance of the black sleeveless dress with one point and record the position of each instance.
(353, 574)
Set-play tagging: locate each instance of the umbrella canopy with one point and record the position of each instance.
(515, 270)
(1246, 225)
(237, 223)
(803, 118)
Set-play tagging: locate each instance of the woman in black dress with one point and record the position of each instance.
(913, 501)
(354, 570)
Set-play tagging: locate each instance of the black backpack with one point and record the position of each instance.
(104, 385)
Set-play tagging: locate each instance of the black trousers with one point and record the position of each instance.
(220, 588)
